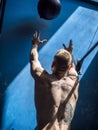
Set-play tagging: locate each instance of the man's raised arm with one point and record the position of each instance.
(36, 68)
(72, 70)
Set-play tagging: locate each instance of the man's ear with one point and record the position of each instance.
(53, 67)
(69, 68)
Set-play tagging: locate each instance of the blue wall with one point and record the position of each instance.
(21, 19)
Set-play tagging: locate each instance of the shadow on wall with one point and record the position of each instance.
(15, 46)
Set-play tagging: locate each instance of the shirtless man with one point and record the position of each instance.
(54, 109)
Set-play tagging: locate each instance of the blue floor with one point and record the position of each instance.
(21, 19)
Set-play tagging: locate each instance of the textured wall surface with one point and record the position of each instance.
(17, 109)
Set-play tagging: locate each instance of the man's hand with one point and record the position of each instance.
(70, 48)
(36, 39)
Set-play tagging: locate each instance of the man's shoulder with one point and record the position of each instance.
(43, 74)
(71, 80)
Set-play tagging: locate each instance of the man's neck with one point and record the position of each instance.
(59, 75)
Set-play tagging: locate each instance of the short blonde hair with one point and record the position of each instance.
(62, 60)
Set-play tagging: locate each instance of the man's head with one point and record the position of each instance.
(62, 61)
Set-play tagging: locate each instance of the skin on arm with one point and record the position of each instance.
(36, 68)
(72, 73)
(72, 69)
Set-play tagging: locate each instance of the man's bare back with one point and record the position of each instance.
(54, 107)
(50, 95)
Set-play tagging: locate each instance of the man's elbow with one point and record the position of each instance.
(32, 70)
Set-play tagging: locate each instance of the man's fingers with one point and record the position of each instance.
(36, 38)
(38, 34)
(70, 46)
(70, 40)
(45, 40)
(70, 43)
(64, 46)
(34, 35)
